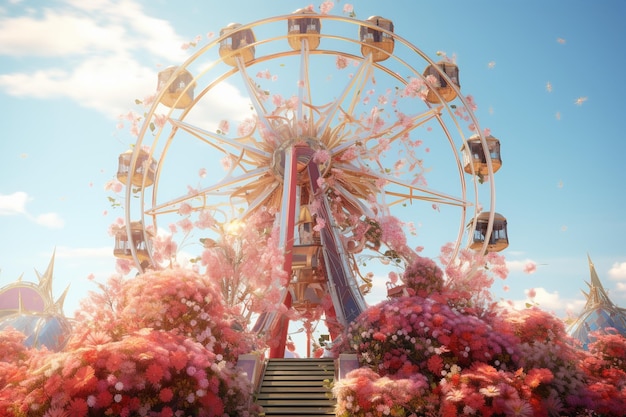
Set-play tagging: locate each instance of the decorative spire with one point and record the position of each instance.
(597, 296)
(599, 313)
(58, 304)
(45, 282)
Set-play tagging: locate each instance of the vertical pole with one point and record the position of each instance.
(287, 226)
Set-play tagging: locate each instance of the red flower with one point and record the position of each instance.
(154, 373)
(77, 408)
(84, 379)
(178, 360)
(104, 399)
(166, 395)
(435, 364)
(167, 412)
(438, 320)
(379, 336)
(537, 376)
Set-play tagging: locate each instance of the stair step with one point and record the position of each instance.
(290, 414)
(290, 395)
(298, 411)
(291, 402)
(297, 387)
(321, 366)
(292, 383)
(299, 377)
(275, 387)
(290, 371)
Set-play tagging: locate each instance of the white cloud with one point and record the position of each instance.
(56, 34)
(15, 204)
(518, 266)
(50, 220)
(12, 204)
(88, 28)
(551, 302)
(618, 271)
(92, 53)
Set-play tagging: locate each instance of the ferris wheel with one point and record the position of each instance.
(332, 123)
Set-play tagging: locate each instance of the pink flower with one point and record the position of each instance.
(264, 74)
(205, 220)
(326, 6)
(114, 186)
(160, 120)
(223, 127)
(319, 224)
(341, 62)
(348, 8)
(321, 156)
(184, 209)
(178, 360)
(516, 407)
(277, 100)
(186, 225)
(530, 267)
(226, 162)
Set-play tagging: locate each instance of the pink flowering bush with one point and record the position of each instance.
(247, 264)
(147, 373)
(160, 344)
(444, 351)
(606, 369)
(423, 277)
(14, 357)
(179, 301)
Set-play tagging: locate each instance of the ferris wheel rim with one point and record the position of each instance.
(395, 36)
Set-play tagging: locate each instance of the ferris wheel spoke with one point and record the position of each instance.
(391, 132)
(260, 200)
(355, 87)
(355, 204)
(402, 190)
(253, 93)
(211, 139)
(221, 188)
(412, 192)
(304, 88)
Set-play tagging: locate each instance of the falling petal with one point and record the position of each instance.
(563, 228)
(560, 184)
(558, 115)
(492, 64)
(549, 87)
(580, 100)
(561, 41)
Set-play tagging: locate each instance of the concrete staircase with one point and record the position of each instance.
(296, 387)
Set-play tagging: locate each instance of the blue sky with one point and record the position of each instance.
(546, 77)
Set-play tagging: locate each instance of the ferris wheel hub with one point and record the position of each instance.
(310, 150)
